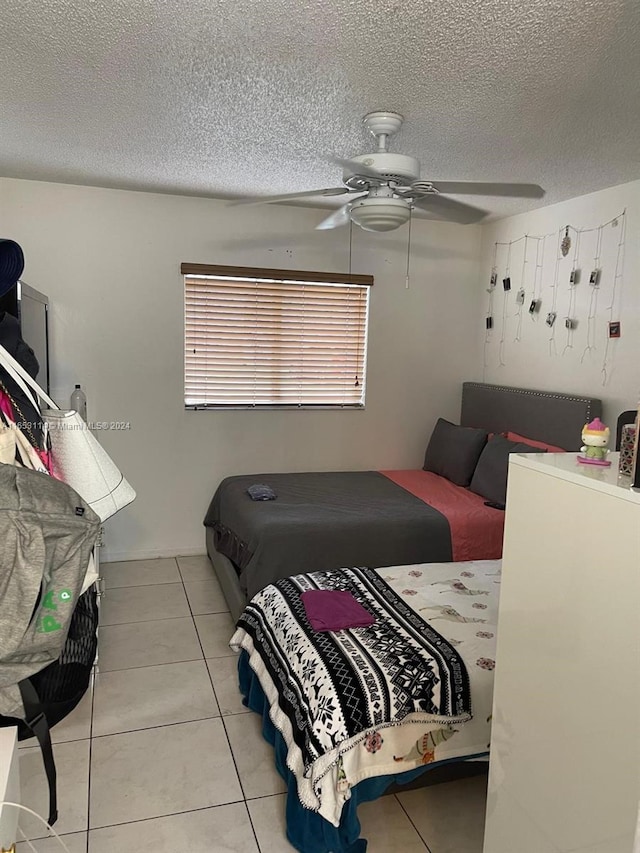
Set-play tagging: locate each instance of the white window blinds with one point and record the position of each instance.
(274, 338)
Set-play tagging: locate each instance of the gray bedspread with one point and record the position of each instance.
(323, 521)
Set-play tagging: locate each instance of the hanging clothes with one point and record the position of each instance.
(11, 264)
(25, 416)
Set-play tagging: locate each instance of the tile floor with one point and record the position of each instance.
(161, 756)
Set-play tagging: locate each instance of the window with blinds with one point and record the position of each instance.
(274, 338)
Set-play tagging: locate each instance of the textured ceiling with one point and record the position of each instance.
(225, 97)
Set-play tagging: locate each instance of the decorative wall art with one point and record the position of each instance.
(569, 285)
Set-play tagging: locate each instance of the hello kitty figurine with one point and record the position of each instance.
(596, 438)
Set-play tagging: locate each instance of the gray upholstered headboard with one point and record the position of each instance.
(543, 415)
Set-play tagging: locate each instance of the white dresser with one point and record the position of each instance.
(565, 751)
(9, 786)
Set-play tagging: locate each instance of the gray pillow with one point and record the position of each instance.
(453, 451)
(490, 476)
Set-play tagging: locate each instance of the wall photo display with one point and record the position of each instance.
(568, 284)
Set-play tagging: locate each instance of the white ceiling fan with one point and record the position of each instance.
(383, 187)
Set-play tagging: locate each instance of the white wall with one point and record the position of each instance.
(109, 261)
(536, 362)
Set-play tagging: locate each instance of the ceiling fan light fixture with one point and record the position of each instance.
(382, 187)
(380, 214)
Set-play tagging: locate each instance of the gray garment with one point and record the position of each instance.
(47, 532)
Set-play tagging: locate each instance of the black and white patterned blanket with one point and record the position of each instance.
(337, 686)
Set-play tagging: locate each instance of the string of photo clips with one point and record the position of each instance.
(489, 319)
(535, 301)
(574, 278)
(506, 284)
(593, 301)
(614, 309)
(564, 243)
(521, 294)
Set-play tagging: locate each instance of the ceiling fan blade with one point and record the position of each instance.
(448, 209)
(357, 168)
(271, 199)
(477, 188)
(337, 219)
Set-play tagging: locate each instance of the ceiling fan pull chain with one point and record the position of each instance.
(406, 281)
(350, 244)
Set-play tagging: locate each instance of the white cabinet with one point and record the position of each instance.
(9, 786)
(565, 751)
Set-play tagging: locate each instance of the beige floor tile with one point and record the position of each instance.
(388, 829)
(215, 630)
(143, 603)
(268, 818)
(384, 825)
(158, 772)
(77, 843)
(449, 817)
(254, 757)
(224, 829)
(72, 763)
(75, 726)
(131, 699)
(140, 572)
(148, 644)
(205, 597)
(224, 674)
(195, 568)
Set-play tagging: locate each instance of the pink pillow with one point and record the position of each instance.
(540, 445)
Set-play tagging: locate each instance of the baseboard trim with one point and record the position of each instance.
(111, 555)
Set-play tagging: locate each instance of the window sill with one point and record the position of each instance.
(275, 407)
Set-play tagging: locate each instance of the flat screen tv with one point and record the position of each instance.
(32, 310)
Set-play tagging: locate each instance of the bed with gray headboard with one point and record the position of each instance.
(547, 416)
(328, 520)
